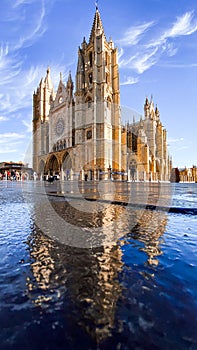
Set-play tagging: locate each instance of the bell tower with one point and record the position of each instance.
(97, 109)
(41, 105)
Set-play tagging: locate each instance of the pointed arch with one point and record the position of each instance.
(109, 102)
(88, 100)
(88, 97)
(66, 161)
(52, 165)
(67, 165)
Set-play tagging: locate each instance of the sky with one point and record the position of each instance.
(157, 45)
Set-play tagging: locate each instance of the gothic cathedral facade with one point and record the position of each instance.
(79, 135)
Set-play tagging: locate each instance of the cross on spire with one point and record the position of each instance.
(96, 4)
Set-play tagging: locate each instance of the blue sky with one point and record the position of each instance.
(157, 42)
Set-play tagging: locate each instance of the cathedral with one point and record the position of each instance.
(78, 133)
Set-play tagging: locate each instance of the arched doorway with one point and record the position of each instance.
(52, 166)
(67, 166)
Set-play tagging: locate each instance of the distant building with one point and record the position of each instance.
(80, 134)
(15, 171)
(188, 174)
(175, 175)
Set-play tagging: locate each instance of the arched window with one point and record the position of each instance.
(90, 58)
(106, 58)
(107, 78)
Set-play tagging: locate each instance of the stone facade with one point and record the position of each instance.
(79, 135)
(188, 174)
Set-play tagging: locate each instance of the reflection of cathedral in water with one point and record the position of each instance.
(149, 231)
(84, 283)
(83, 279)
(79, 134)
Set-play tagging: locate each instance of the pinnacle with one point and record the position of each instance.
(97, 24)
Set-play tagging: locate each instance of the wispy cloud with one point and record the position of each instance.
(178, 65)
(10, 66)
(141, 61)
(144, 62)
(133, 35)
(184, 25)
(10, 136)
(175, 140)
(182, 148)
(11, 147)
(22, 2)
(28, 125)
(177, 144)
(3, 119)
(130, 81)
(18, 78)
(10, 141)
(120, 54)
(7, 149)
(148, 52)
(18, 95)
(17, 82)
(37, 30)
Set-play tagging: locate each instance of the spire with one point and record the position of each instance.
(48, 81)
(69, 76)
(157, 114)
(146, 102)
(97, 27)
(69, 81)
(141, 122)
(147, 108)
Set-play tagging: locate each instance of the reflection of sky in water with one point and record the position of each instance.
(139, 292)
(185, 195)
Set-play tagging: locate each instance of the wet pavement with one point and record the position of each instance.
(127, 280)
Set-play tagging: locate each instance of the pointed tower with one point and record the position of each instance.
(97, 110)
(69, 89)
(147, 108)
(42, 99)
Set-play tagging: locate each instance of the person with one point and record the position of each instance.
(50, 178)
(86, 177)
